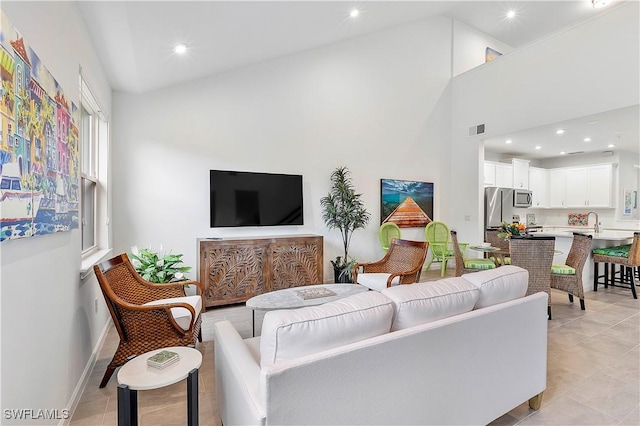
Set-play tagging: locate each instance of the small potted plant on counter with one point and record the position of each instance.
(343, 209)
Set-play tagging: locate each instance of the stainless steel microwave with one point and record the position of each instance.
(521, 198)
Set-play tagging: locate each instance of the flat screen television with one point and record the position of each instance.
(255, 199)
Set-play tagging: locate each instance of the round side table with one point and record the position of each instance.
(136, 375)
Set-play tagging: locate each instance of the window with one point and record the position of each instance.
(94, 135)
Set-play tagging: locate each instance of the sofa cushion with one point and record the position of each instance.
(421, 303)
(499, 285)
(182, 316)
(289, 334)
(376, 280)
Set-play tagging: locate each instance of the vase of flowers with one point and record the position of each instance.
(508, 230)
(158, 268)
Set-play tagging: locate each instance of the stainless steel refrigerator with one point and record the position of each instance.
(498, 206)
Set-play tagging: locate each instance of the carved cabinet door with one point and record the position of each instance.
(235, 272)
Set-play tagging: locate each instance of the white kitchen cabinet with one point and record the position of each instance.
(599, 184)
(489, 174)
(585, 187)
(557, 188)
(539, 184)
(504, 175)
(498, 174)
(520, 173)
(576, 187)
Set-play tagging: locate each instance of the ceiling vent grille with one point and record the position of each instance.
(575, 152)
(476, 130)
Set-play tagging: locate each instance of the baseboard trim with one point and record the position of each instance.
(84, 378)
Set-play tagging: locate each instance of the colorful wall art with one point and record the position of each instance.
(38, 144)
(409, 204)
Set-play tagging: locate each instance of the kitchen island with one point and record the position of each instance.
(604, 238)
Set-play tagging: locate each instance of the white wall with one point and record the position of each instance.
(377, 104)
(469, 47)
(586, 69)
(49, 328)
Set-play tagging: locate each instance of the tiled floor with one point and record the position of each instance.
(593, 369)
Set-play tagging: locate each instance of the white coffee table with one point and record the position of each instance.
(136, 375)
(289, 298)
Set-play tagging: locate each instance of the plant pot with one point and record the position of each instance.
(340, 277)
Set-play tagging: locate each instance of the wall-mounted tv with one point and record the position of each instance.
(255, 199)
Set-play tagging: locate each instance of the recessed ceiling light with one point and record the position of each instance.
(180, 49)
(538, 147)
(587, 139)
(610, 145)
(559, 131)
(592, 122)
(508, 141)
(511, 14)
(562, 152)
(354, 13)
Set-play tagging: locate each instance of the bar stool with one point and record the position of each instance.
(627, 256)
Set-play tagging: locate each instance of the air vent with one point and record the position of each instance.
(575, 152)
(476, 130)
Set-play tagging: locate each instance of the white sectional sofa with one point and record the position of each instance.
(460, 351)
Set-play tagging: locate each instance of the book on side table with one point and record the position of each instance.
(162, 359)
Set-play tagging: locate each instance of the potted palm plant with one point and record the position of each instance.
(343, 209)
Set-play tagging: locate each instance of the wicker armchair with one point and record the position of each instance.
(402, 264)
(627, 260)
(469, 265)
(147, 316)
(536, 256)
(568, 281)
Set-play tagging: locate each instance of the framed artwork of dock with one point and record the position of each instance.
(407, 203)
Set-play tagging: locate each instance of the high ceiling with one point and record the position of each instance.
(135, 40)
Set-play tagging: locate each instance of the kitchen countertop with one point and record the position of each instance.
(605, 234)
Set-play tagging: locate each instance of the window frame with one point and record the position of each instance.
(95, 172)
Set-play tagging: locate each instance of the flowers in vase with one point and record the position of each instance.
(507, 230)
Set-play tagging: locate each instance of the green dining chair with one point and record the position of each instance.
(387, 232)
(437, 235)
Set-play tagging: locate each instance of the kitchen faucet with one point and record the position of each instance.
(597, 227)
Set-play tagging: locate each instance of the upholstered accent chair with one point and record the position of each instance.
(535, 254)
(402, 264)
(387, 232)
(568, 277)
(463, 265)
(147, 316)
(627, 256)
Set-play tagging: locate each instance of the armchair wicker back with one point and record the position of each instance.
(142, 328)
(404, 258)
(502, 256)
(577, 257)
(536, 256)
(475, 265)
